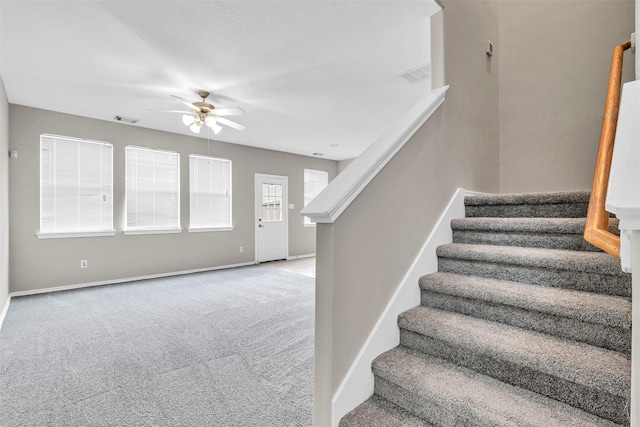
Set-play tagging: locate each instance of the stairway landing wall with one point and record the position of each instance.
(554, 70)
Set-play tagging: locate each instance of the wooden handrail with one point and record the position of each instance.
(596, 230)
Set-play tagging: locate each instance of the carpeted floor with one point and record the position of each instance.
(225, 348)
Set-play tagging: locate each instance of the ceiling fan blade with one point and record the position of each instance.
(234, 125)
(184, 101)
(229, 111)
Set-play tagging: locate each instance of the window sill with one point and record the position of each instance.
(74, 234)
(159, 231)
(208, 229)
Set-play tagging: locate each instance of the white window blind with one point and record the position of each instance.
(152, 189)
(209, 192)
(314, 182)
(76, 185)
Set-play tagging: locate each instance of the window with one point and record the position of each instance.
(153, 191)
(271, 202)
(314, 182)
(209, 193)
(76, 187)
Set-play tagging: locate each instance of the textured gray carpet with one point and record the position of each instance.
(524, 325)
(225, 348)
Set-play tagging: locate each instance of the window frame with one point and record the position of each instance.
(158, 230)
(307, 221)
(102, 232)
(204, 229)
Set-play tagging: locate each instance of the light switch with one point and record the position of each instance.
(291, 206)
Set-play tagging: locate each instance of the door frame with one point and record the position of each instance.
(285, 209)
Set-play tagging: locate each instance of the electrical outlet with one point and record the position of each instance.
(84, 263)
(241, 249)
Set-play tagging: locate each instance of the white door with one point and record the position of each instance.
(271, 218)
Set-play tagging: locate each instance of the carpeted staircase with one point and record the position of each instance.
(524, 324)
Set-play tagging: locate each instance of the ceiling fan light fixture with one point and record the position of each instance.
(188, 119)
(213, 124)
(195, 127)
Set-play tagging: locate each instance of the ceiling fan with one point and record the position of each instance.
(203, 112)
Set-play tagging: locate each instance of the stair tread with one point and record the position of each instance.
(577, 362)
(475, 397)
(379, 412)
(526, 225)
(607, 310)
(542, 316)
(582, 261)
(562, 197)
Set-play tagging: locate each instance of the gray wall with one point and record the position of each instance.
(4, 196)
(362, 257)
(38, 264)
(554, 68)
(342, 164)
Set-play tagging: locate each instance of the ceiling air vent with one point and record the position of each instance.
(416, 75)
(125, 119)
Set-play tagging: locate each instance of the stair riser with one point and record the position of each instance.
(559, 210)
(380, 412)
(592, 400)
(429, 410)
(567, 279)
(548, 241)
(617, 339)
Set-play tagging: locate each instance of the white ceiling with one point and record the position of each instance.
(310, 74)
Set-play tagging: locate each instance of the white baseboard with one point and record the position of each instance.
(124, 280)
(357, 386)
(291, 258)
(5, 309)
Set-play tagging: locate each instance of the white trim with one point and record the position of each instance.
(124, 280)
(637, 31)
(357, 385)
(5, 310)
(147, 148)
(202, 156)
(74, 138)
(73, 234)
(623, 198)
(340, 192)
(205, 229)
(291, 258)
(159, 231)
(635, 334)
